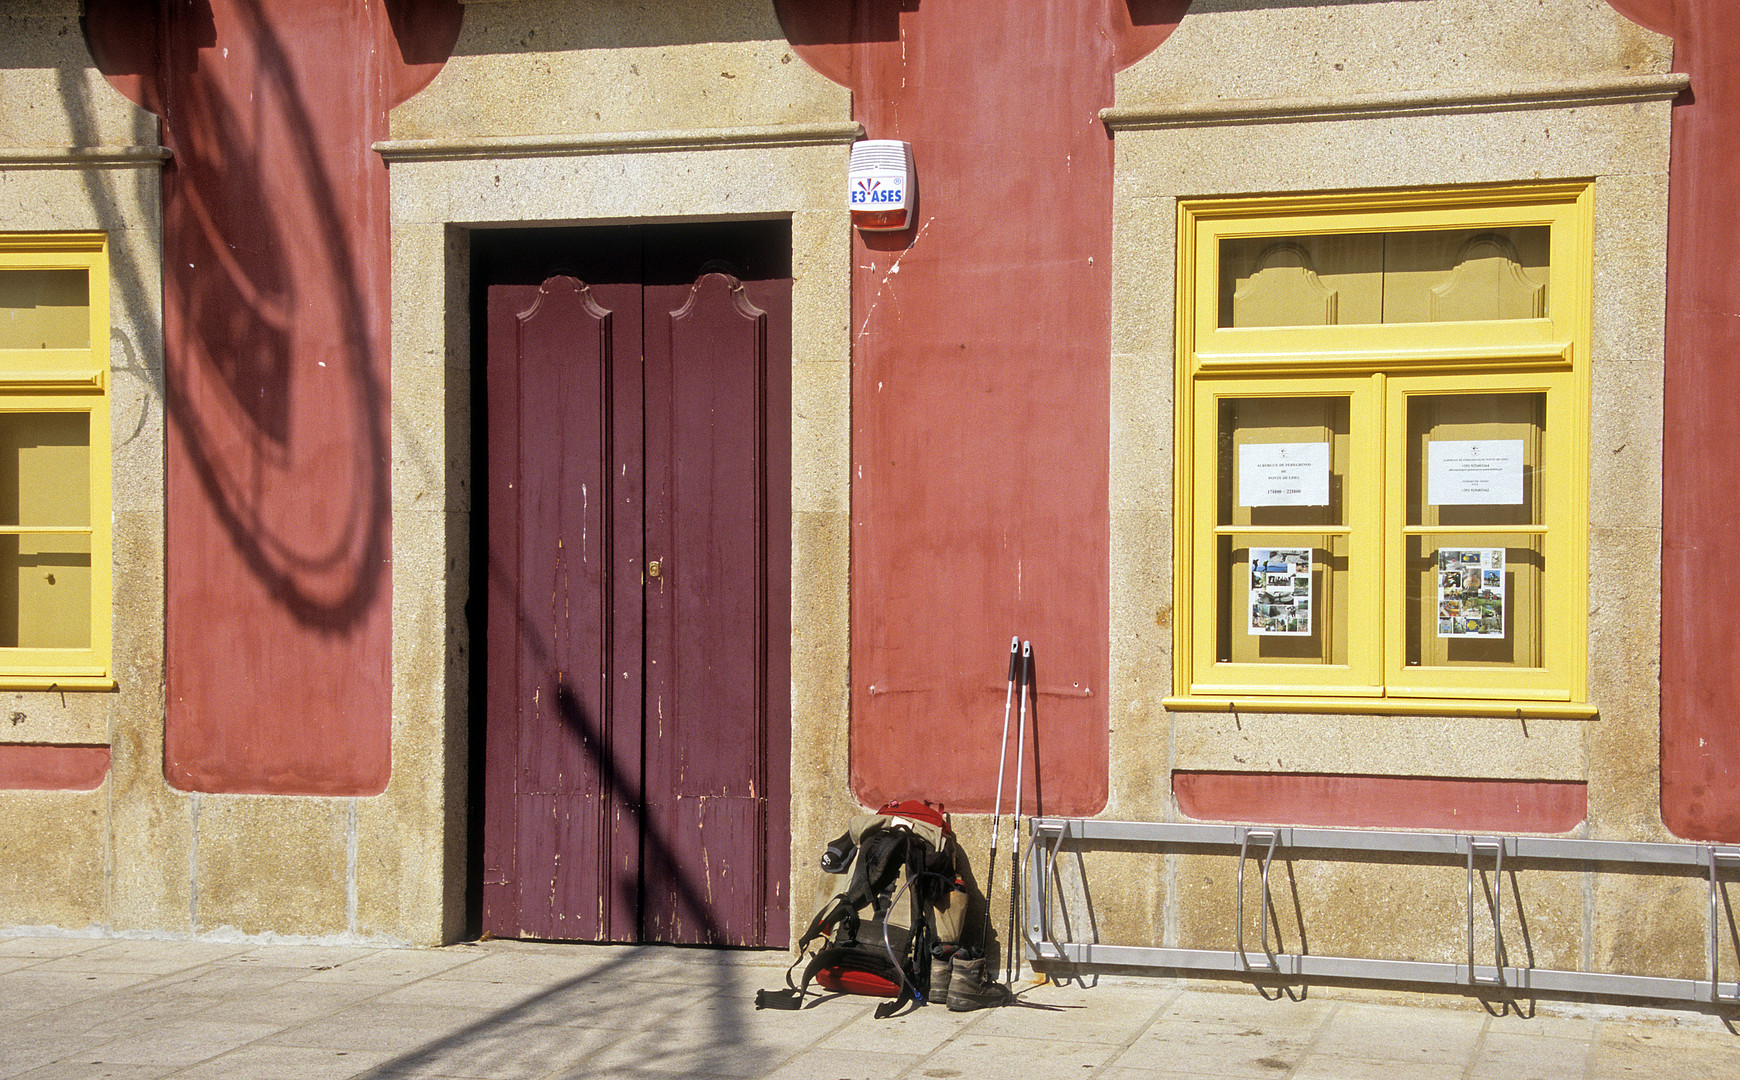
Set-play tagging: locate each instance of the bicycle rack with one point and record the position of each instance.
(1049, 838)
(1271, 963)
(1498, 953)
(1718, 857)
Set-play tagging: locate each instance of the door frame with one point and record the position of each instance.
(605, 261)
(441, 191)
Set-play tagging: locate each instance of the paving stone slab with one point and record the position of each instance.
(814, 1064)
(390, 1027)
(107, 1017)
(226, 978)
(502, 1054)
(32, 989)
(392, 966)
(657, 1052)
(288, 1005)
(1233, 1050)
(466, 993)
(183, 1042)
(1055, 1012)
(974, 1054)
(267, 1062)
(1330, 1067)
(585, 1003)
(79, 1069)
(48, 946)
(1248, 1008)
(1503, 1055)
(1662, 1052)
(21, 1052)
(152, 956)
(1401, 1035)
(921, 1032)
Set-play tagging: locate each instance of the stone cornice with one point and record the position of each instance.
(620, 142)
(81, 157)
(1404, 103)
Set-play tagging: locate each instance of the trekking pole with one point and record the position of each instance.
(1012, 962)
(997, 814)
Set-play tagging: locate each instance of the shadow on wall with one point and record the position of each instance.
(135, 337)
(245, 331)
(258, 315)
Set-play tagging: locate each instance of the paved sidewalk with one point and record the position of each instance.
(140, 1010)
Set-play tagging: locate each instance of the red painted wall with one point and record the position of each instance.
(1383, 802)
(1700, 739)
(980, 390)
(276, 274)
(1700, 683)
(30, 766)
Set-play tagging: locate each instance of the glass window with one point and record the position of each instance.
(54, 461)
(1391, 512)
(1433, 275)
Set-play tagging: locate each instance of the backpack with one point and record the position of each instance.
(894, 892)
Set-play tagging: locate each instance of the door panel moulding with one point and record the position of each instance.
(619, 142)
(1050, 837)
(1405, 103)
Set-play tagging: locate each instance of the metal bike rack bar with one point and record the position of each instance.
(1050, 837)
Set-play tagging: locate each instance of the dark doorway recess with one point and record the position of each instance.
(631, 607)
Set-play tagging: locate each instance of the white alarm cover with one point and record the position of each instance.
(879, 185)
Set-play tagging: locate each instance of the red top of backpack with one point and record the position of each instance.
(919, 810)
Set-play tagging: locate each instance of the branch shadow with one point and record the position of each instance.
(616, 1008)
(236, 320)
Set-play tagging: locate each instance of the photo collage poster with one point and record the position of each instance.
(1281, 592)
(1471, 592)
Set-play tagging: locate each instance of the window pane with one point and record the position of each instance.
(1475, 600)
(1428, 275)
(1283, 600)
(45, 468)
(1283, 461)
(1475, 459)
(45, 309)
(45, 591)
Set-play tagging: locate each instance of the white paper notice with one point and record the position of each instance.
(1479, 472)
(1284, 474)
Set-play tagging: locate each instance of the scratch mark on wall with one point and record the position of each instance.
(882, 285)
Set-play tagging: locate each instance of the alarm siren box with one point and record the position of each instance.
(879, 185)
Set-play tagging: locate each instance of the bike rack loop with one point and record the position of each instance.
(1499, 956)
(1717, 857)
(1272, 963)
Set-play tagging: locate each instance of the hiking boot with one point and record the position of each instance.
(969, 990)
(941, 965)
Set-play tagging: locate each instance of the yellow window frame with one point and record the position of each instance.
(1380, 369)
(67, 380)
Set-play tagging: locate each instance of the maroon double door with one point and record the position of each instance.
(636, 742)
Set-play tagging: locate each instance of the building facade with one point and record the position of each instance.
(513, 498)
